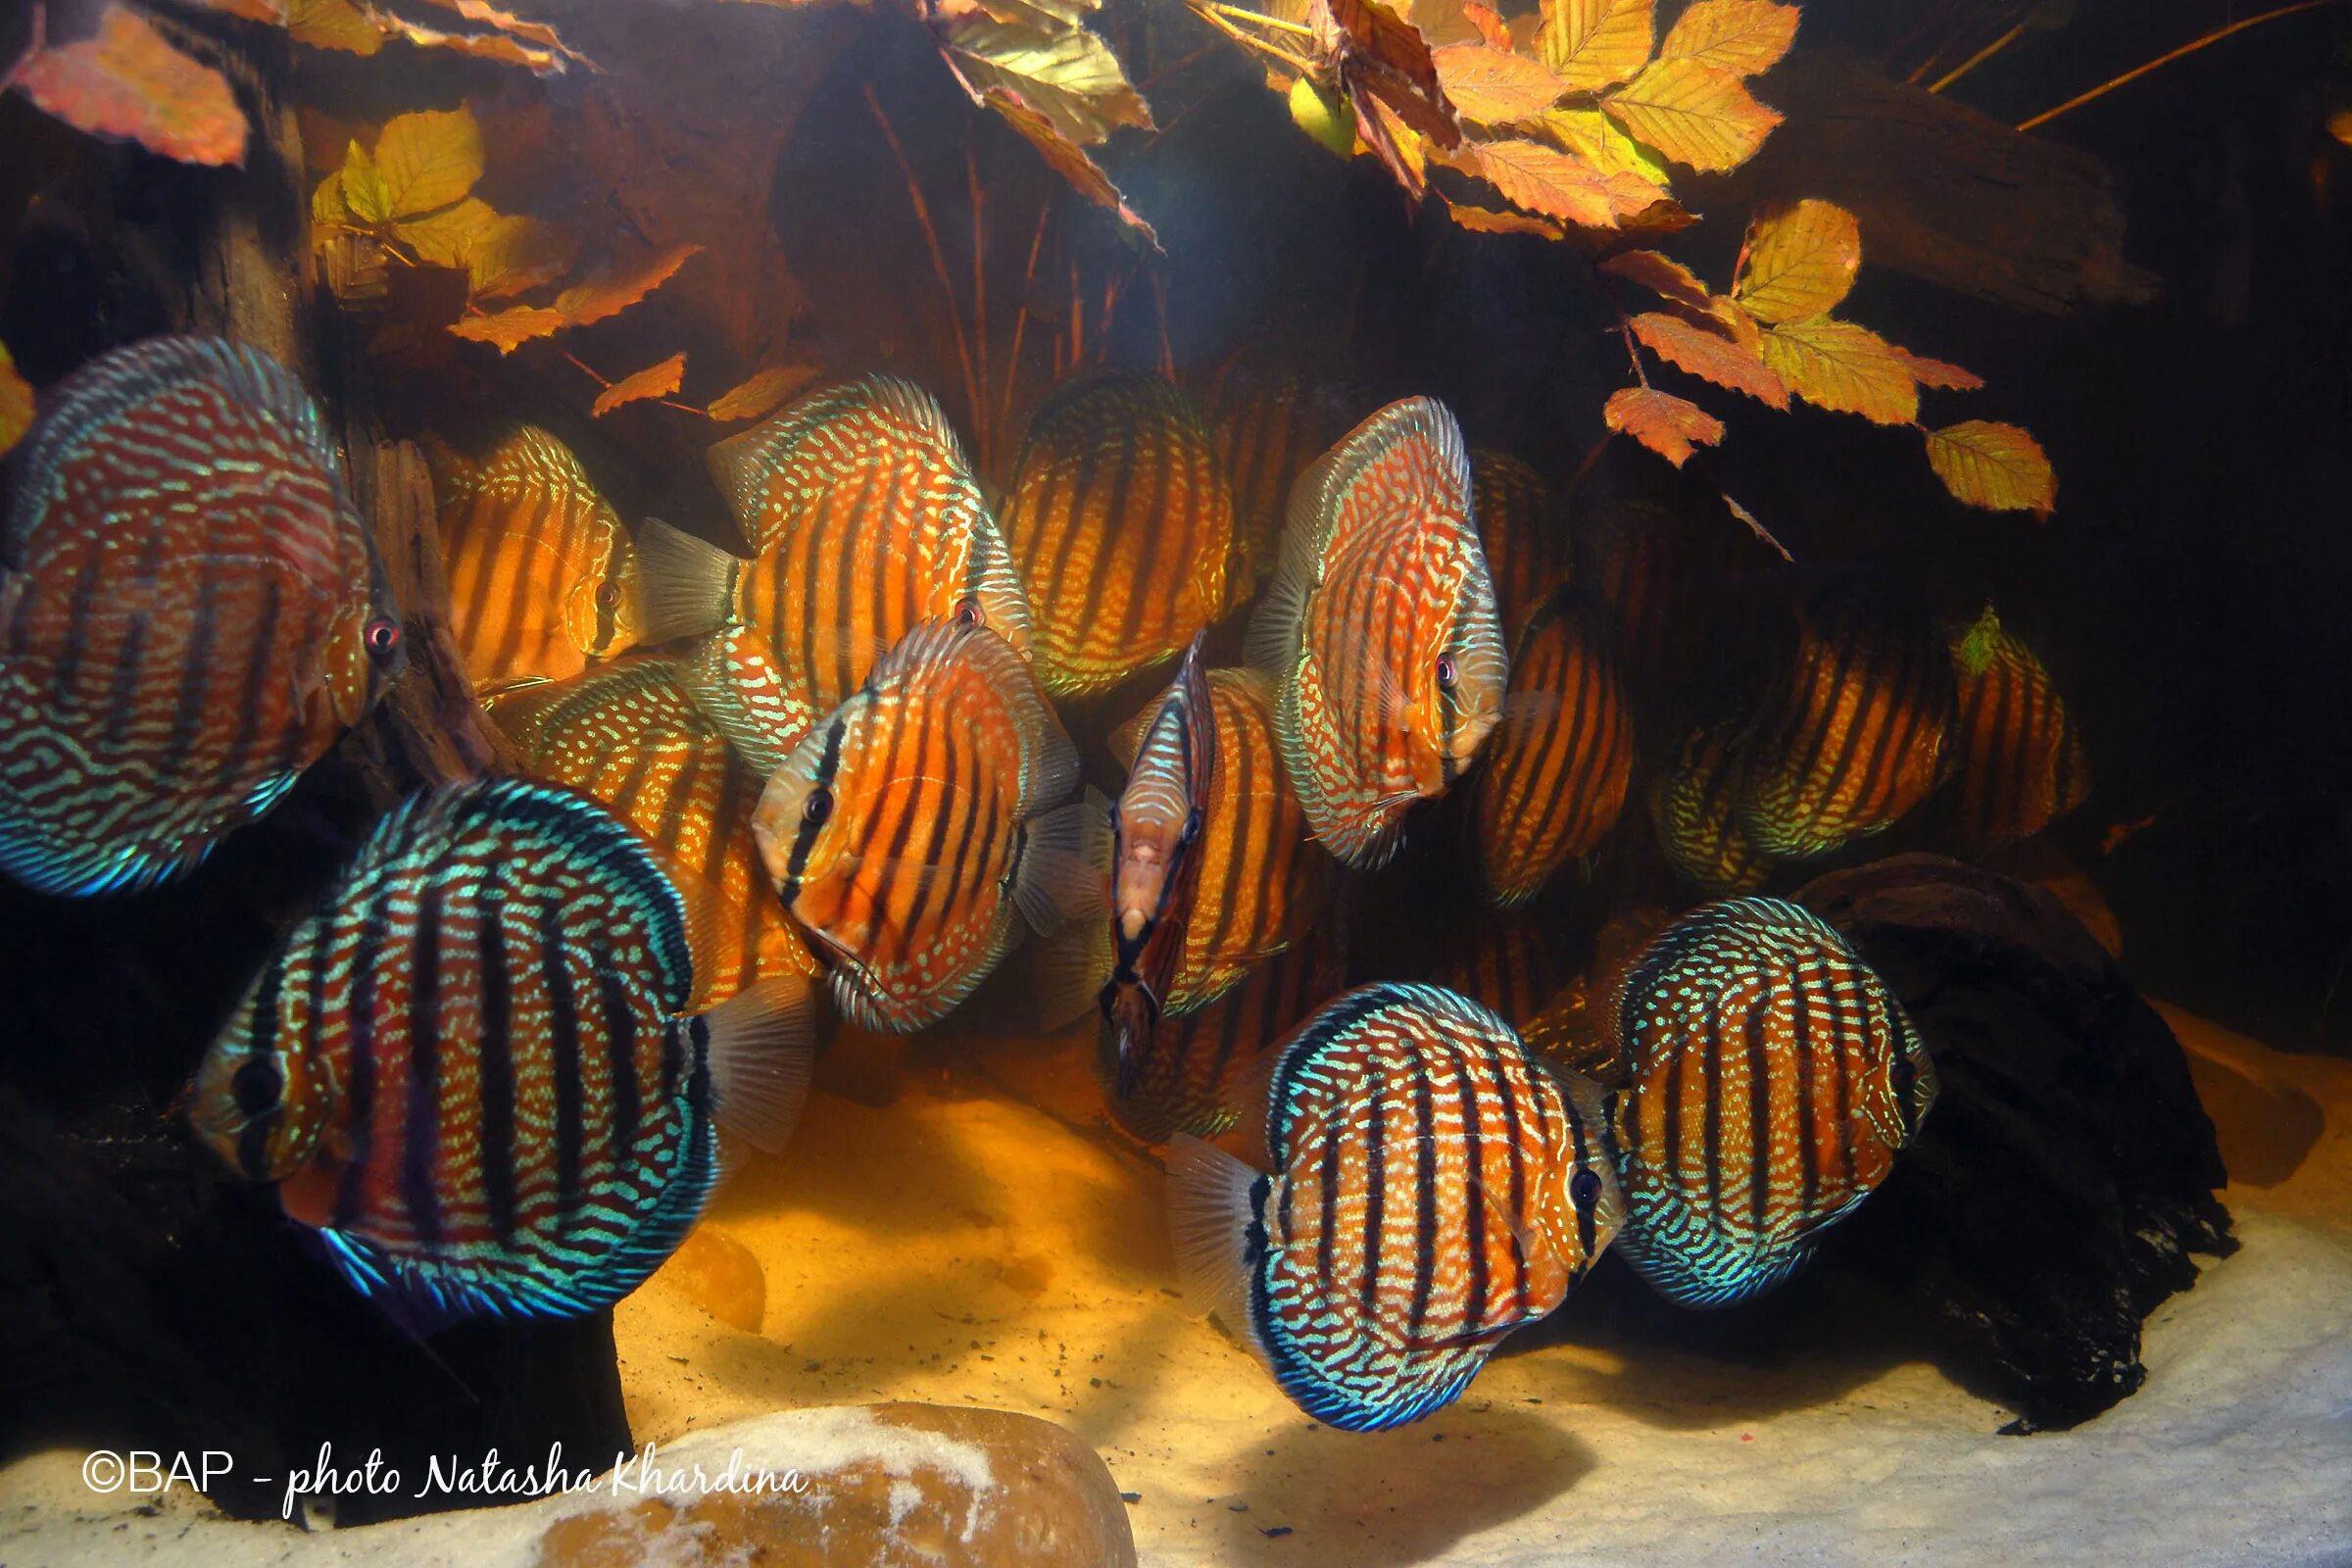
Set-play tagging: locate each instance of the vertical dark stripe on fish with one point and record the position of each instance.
(420, 1157)
(620, 1022)
(496, 1073)
(564, 1051)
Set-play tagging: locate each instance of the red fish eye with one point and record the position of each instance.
(382, 636)
(967, 610)
(1584, 1188)
(816, 807)
(607, 593)
(1446, 673)
(257, 1086)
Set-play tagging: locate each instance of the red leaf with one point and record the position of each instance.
(1663, 274)
(129, 85)
(612, 294)
(1710, 356)
(1661, 421)
(1936, 374)
(510, 329)
(654, 381)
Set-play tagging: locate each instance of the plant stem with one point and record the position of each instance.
(2188, 48)
(939, 260)
(1977, 59)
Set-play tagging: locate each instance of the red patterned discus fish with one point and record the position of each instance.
(190, 613)
(1430, 1192)
(1379, 631)
(1270, 426)
(480, 1075)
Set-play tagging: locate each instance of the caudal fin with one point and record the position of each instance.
(1210, 1211)
(761, 1044)
(1069, 969)
(689, 582)
(1065, 872)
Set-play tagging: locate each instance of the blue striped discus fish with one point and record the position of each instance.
(477, 1072)
(190, 613)
(1431, 1192)
(1771, 1079)
(1379, 630)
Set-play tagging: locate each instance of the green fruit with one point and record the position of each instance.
(1325, 114)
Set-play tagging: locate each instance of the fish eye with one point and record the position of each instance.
(1192, 824)
(817, 807)
(607, 593)
(257, 1086)
(382, 637)
(1584, 1188)
(1446, 673)
(967, 611)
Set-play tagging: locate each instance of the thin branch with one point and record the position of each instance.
(1257, 18)
(1020, 319)
(939, 260)
(1251, 40)
(1978, 59)
(2189, 48)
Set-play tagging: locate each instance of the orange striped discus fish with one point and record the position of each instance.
(1270, 426)
(2016, 759)
(918, 824)
(1431, 1191)
(1379, 631)
(1772, 1078)
(1851, 740)
(542, 576)
(1121, 525)
(190, 613)
(1511, 963)
(1635, 557)
(1514, 527)
(1695, 808)
(1555, 770)
(865, 521)
(628, 734)
(480, 1072)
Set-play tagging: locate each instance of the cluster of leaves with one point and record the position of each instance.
(16, 403)
(1771, 336)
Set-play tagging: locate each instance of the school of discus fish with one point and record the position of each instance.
(504, 1063)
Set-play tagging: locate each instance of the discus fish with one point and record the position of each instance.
(542, 576)
(2014, 754)
(1270, 426)
(1514, 528)
(906, 829)
(1772, 1078)
(1555, 770)
(1512, 961)
(191, 614)
(865, 521)
(1121, 523)
(1851, 739)
(1430, 1192)
(630, 734)
(1693, 805)
(1379, 631)
(478, 1073)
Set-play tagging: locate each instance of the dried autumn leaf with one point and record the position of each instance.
(762, 392)
(1843, 367)
(538, 32)
(1069, 75)
(613, 293)
(1591, 135)
(1800, 261)
(1400, 149)
(429, 160)
(1488, 23)
(1936, 374)
(1067, 159)
(328, 207)
(510, 330)
(1494, 88)
(16, 403)
(518, 253)
(271, 12)
(1741, 37)
(1487, 221)
(1998, 467)
(1662, 275)
(129, 84)
(1591, 44)
(354, 265)
(1541, 178)
(333, 25)
(1378, 54)
(477, 45)
(1693, 114)
(1661, 421)
(654, 381)
(1444, 23)
(366, 196)
(1710, 355)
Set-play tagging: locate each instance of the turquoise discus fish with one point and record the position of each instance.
(190, 613)
(477, 1072)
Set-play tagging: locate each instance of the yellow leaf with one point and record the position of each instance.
(1068, 159)
(16, 403)
(327, 203)
(654, 381)
(1541, 178)
(1694, 114)
(1710, 355)
(447, 238)
(1589, 134)
(510, 330)
(333, 25)
(1492, 87)
(1800, 261)
(1487, 221)
(517, 253)
(1743, 36)
(1663, 274)
(480, 45)
(1591, 44)
(1845, 367)
(1661, 421)
(762, 392)
(365, 193)
(1936, 374)
(1998, 466)
(429, 160)
(1442, 22)
(613, 293)
(1068, 75)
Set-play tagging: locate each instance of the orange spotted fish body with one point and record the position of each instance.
(1514, 527)
(1554, 775)
(1270, 427)
(630, 735)
(916, 824)
(482, 1075)
(1430, 1190)
(1773, 1078)
(1379, 631)
(1512, 962)
(1852, 739)
(2015, 758)
(1694, 806)
(865, 521)
(1121, 525)
(190, 613)
(542, 577)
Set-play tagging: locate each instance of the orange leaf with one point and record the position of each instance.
(1067, 159)
(1489, 23)
(1710, 356)
(1800, 261)
(1487, 221)
(1694, 114)
(762, 392)
(16, 403)
(612, 294)
(1661, 421)
(1936, 374)
(1541, 178)
(129, 84)
(1493, 86)
(1661, 275)
(1440, 21)
(333, 25)
(1998, 467)
(1743, 36)
(1591, 44)
(510, 329)
(654, 381)
(538, 32)
(271, 12)
(479, 45)
(1839, 365)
